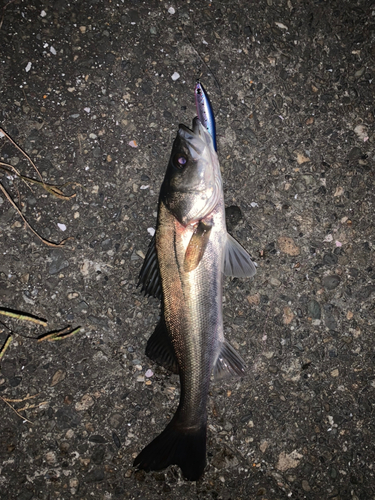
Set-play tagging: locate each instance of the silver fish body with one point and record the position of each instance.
(193, 250)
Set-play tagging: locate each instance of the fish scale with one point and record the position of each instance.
(194, 333)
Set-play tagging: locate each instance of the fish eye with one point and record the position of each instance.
(179, 161)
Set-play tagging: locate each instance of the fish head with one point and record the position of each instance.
(192, 185)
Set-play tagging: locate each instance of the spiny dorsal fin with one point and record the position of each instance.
(149, 276)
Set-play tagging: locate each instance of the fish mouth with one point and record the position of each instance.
(194, 138)
(195, 129)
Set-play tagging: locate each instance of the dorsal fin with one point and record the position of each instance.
(149, 276)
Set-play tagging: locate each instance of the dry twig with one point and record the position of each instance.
(15, 411)
(23, 317)
(50, 188)
(59, 335)
(5, 346)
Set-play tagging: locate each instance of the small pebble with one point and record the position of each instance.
(116, 440)
(58, 377)
(331, 282)
(263, 445)
(330, 321)
(175, 76)
(288, 246)
(94, 476)
(86, 402)
(58, 261)
(314, 309)
(288, 461)
(302, 159)
(288, 315)
(51, 458)
(281, 26)
(275, 282)
(253, 299)
(305, 485)
(330, 259)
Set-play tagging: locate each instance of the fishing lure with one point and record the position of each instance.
(204, 111)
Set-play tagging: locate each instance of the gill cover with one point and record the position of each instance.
(192, 183)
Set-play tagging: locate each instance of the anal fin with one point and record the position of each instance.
(229, 363)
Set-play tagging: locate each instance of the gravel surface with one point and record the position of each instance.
(94, 91)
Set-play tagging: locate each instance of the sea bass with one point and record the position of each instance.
(184, 265)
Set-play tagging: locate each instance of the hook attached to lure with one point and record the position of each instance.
(204, 111)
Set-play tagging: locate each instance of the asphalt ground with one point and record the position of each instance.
(93, 92)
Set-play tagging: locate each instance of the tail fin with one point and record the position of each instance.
(185, 448)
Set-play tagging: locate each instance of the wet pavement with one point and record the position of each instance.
(94, 92)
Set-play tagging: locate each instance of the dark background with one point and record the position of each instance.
(291, 84)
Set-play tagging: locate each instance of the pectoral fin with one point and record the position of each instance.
(197, 246)
(149, 276)
(229, 363)
(237, 261)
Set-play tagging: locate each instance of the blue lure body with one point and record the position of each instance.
(204, 111)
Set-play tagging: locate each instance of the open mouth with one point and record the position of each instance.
(193, 138)
(195, 130)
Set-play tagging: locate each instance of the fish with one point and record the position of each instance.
(184, 266)
(204, 110)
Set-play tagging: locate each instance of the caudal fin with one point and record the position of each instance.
(187, 449)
